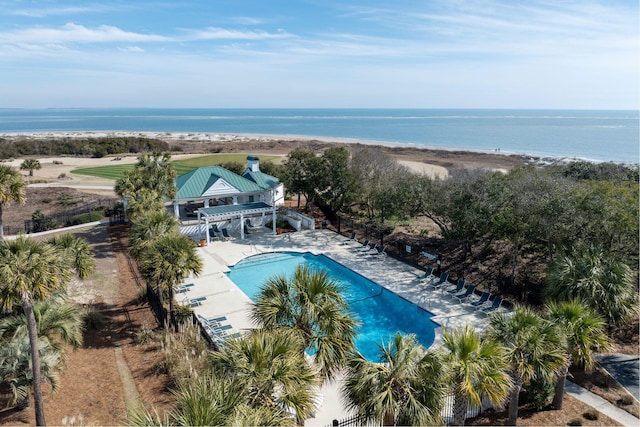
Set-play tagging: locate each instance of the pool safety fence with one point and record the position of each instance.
(159, 311)
(409, 249)
(446, 413)
(353, 421)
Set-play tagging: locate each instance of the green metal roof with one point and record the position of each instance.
(194, 184)
(263, 180)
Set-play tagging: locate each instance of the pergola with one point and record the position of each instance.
(227, 212)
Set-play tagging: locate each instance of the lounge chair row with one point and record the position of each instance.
(458, 291)
(367, 247)
(221, 233)
(214, 328)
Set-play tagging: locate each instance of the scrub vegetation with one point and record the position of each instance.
(580, 222)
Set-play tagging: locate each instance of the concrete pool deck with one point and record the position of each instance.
(215, 295)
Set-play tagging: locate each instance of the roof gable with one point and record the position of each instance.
(220, 187)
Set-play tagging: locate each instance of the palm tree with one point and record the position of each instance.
(312, 304)
(16, 363)
(535, 349)
(31, 165)
(585, 334)
(11, 190)
(149, 226)
(58, 320)
(167, 261)
(78, 251)
(273, 369)
(210, 400)
(476, 367)
(405, 387)
(143, 201)
(158, 174)
(146, 186)
(31, 271)
(602, 281)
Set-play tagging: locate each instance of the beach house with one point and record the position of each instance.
(221, 199)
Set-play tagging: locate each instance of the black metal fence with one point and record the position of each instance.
(61, 219)
(446, 413)
(156, 305)
(418, 251)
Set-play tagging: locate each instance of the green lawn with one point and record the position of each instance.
(181, 166)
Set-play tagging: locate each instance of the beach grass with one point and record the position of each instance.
(181, 166)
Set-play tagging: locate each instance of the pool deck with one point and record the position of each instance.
(215, 295)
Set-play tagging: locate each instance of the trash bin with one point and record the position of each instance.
(324, 224)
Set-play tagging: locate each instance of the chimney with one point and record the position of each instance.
(253, 163)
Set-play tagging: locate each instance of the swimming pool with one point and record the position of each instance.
(380, 312)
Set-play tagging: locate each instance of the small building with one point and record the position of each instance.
(216, 195)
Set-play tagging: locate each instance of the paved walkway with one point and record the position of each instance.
(624, 369)
(601, 405)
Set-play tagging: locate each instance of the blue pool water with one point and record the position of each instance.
(380, 312)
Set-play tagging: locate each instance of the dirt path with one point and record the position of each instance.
(110, 374)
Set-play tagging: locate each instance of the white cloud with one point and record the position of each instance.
(42, 12)
(247, 20)
(214, 33)
(75, 33)
(135, 49)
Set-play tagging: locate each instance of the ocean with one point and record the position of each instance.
(585, 134)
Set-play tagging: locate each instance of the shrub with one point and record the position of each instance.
(41, 222)
(93, 318)
(280, 223)
(57, 162)
(539, 393)
(62, 176)
(185, 354)
(85, 218)
(145, 334)
(625, 400)
(591, 415)
(182, 313)
(575, 422)
(65, 199)
(601, 382)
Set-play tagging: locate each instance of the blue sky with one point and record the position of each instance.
(306, 53)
